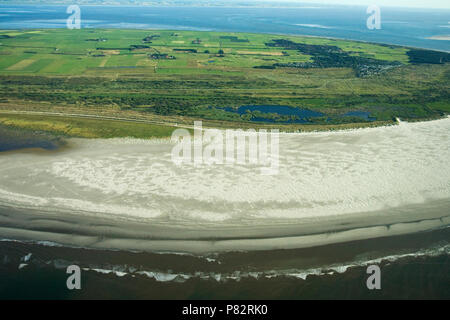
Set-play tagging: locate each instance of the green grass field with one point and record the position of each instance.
(75, 52)
(85, 128)
(186, 75)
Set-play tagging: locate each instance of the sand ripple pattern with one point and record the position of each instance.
(320, 174)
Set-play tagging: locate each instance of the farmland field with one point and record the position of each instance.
(178, 76)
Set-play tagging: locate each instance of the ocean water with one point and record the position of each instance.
(402, 26)
(412, 266)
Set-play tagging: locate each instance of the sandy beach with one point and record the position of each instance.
(443, 38)
(330, 188)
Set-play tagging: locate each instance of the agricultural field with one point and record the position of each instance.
(178, 76)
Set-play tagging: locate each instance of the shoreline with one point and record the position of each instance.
(66, 144)
(149, 236)
(208, 124)
(169, 275)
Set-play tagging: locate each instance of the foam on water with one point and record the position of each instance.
(237, 275)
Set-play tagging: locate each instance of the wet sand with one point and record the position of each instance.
(331, 188)
(91, 232)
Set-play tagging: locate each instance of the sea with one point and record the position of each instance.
(412, 266)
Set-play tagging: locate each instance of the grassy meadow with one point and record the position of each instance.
(179, 76)
(85, 127)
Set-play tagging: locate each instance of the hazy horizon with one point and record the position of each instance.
(431, 4)
(389, 3)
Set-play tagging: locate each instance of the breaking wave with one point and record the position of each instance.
(237, 275)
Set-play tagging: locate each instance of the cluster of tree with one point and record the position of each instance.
(161, 56)
(234, 39)
(97, 40)
(428, 56)
(185, 50)
(266, 67)
(149, 39)
(138, 46)
(325, 56)
(257, 115)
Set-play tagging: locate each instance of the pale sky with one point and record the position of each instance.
(391, 3)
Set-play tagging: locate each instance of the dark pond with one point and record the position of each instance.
(275, 113)
(14, 139)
